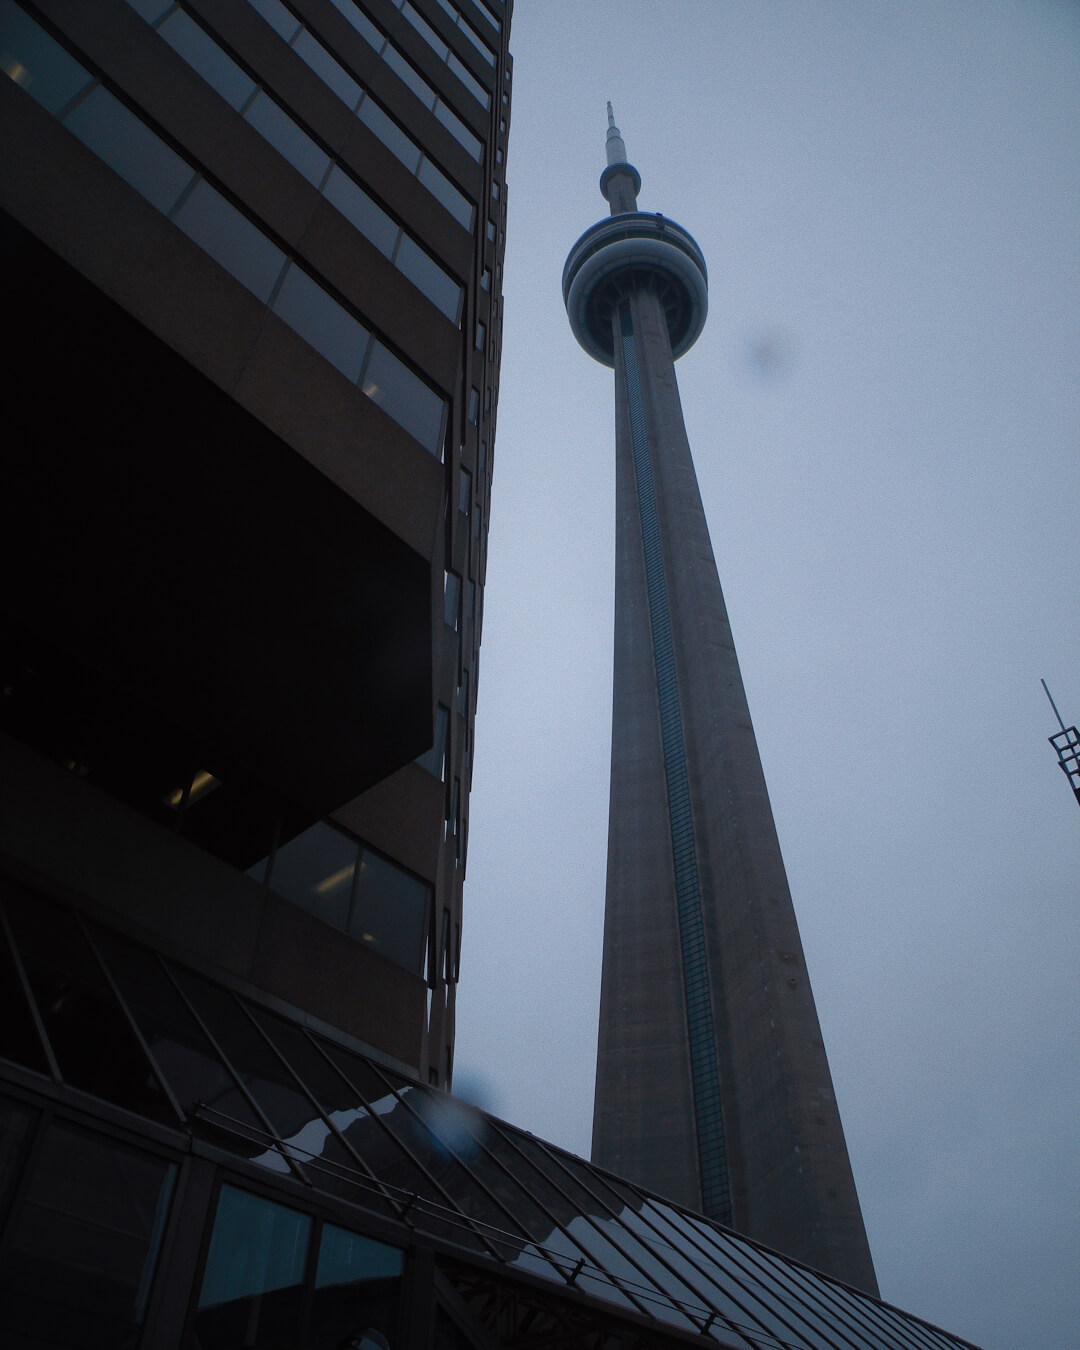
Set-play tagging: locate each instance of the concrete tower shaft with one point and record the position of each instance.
(712, 1084)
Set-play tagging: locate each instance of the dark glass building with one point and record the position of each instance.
(712, 1085)
(252, 268)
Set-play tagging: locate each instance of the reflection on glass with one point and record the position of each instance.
(278, 17)
(445, 192)
(433, 759)
(360, 21)
(358, 208)
(231, 239)
(390, 134)
(730, 1296)
(330, 71)
(19, 1039)
(390, 911)
(322, 322)
(408, 400)
(316, 870)
(186, 1058)
(252, 1287)
(426, 274)
(275, 125)
(36, 63)
(469, 80)
(437, 45)
(410, 77)
(16, 1129)
(203, 55)
(130, 148)
(357, 1289)
(472, 145)
(78, 1263)
(93, 1041)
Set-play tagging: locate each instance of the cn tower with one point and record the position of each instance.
(712, 1084)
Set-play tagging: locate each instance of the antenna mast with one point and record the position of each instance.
(1067, 744)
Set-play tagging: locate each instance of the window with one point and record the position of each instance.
(464, 491)
(474, 404)
(316, 871)
(434, 759)
(322, 322)
(481, 336)
(357, 1285)
(356, 890)
(201, 52)
(252, 1288)
(390, 911)
(452, 600)
(80, 1257)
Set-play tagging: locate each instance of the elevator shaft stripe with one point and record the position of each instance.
(709, 1127)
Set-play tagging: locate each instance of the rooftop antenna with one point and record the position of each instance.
(1067, 744)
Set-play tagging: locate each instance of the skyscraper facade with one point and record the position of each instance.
(712, 1084)
(255, 251)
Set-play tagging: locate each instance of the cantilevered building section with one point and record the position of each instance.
(712, 1085)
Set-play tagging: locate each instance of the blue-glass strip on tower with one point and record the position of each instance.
(712, 1154)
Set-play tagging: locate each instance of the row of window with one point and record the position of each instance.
(349, 886)
(359, 102)
(176, 188)
(411, 77)
(446, 53)
(468, 31)
(84, 1242)
(261, 111)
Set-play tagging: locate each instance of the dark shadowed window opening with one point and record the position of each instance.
(357, 1289)
(434, 760)
(252, 1289)
(80, 1256)
(353, 888)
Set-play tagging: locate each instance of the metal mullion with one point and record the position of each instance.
(831, 1290)
(131, 1019)
(644, 1219)
(271, 1132)
(615, 1280)
(893, 1319)
(364, 1168)
(464, 1219)
(735, 1256)
(889, 1319)
(513, 1236)
(553, 1156)
(466, 1169)
(535, 1200)
(749, 1256)
(754, 1318)
(738, 1276)
(28, 995)
(46, 1113)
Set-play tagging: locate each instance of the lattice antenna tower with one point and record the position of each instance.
(1067, 744)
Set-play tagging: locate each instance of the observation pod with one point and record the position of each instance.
(635, 250)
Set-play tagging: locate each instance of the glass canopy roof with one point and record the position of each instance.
(93, 1009)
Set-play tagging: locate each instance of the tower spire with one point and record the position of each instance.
(616, 147)
(620, 182)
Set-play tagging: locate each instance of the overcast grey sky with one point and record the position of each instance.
(884, 418)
